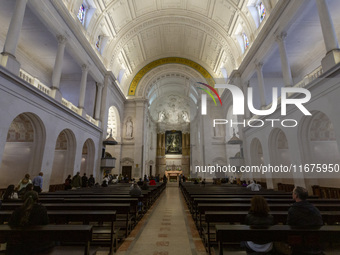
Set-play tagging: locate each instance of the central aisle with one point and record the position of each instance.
(166, 230)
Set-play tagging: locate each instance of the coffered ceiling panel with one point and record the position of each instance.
(120, 14)
(133, 52)
(223, 14)
(211, 51)
(193, 40)
(145, 6)
(173, 38)
(152, 42)
(199, 6)
(172, 4)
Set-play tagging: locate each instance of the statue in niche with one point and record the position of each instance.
(161, 116)
(185, 116)
(129, 128)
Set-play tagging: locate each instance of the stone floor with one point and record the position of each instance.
(166, 229)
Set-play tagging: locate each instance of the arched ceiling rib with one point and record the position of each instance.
(143, 31)
(181, 61)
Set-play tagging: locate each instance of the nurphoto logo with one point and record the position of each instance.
(238, 105)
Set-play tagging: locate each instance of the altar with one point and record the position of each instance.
(173, 174)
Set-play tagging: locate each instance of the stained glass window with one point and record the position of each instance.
(98, 42)
(81, 13)
(262, 11)
(245, 41)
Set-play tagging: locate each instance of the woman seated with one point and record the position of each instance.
(10, 193)
(152, 182)
(31, 213)
(258, 216)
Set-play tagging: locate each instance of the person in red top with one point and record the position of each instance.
(152, 182)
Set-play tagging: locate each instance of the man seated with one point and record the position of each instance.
(136, 191)
(253, 186)
(303, 213)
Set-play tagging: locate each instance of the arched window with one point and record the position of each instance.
(262, 11)
(245, 41)
(98, 43)
(85, 12)
(113, 123)
(81, 13)
(257, 10)
(101, 42)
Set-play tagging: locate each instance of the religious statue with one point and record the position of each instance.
(185, 116)
(161, 116)
(129, 128)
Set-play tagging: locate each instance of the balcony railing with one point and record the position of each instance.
(306, 80)
(45, 89)
(35, 82)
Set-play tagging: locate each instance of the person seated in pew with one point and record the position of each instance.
(136, 192)
(23, 183)
(140, 182)
(253, 186)
(28, 188)
(10, 193)
(31, 213)
(303, 213)
(258, 216)
(91, 181)
(152, 182)
(68, 183)
(145, 186)
(105, 181)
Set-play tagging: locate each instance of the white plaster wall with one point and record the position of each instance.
(325, 94)
(13, 151)
(17, 98)
(57, 177)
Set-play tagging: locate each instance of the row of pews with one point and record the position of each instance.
(220, 210)
(107, 215)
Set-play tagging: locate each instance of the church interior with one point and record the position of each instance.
(183, 91)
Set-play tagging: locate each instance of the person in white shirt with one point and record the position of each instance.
(253, 186)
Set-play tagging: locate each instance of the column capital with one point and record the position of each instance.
(61, 39)
(281, 37)
(100, 85)
(85, 68)
(246, 83)
(259, 65)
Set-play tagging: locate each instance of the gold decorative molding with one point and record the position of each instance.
(170, 60)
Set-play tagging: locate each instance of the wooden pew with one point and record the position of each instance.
(203, 207)
(283, 233)
(120, 208)
(238, 217)
(73, 233)
(67, 216)
(197, 201)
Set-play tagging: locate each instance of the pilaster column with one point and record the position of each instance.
(329, 36)
(138, 134)
(261, 84)
(247, 114)
(98, 100)
(8, 58)
(83, 82)
(58, 65)
(104, 108)
(285, 66)
(266, 160)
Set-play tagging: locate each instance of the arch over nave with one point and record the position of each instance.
(132, 68)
